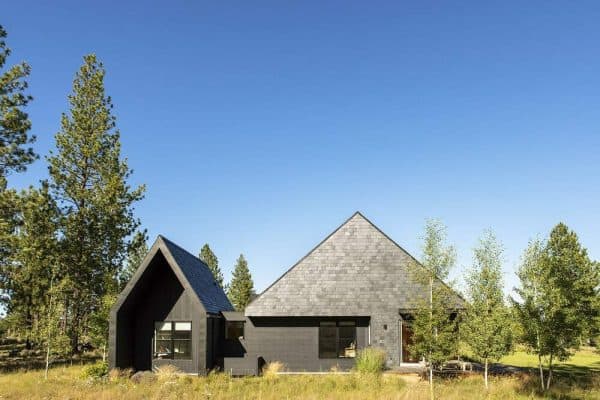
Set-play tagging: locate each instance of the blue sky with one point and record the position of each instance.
(259, 127)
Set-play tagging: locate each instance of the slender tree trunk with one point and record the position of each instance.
(486, 373)
(431, 381)
(549, 373)
(47, 360)
(541, 371)
(431, 321)
(48, 331)
(104, 353)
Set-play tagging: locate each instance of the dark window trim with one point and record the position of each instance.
(337, 336)
(172, 340)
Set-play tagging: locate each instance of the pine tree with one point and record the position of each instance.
(210, 259)
(10, 204)
(137, 252)
(434, 326)
(14, 121)
(14, 155)
(89, 181)
(241, 286)
(31, 266)
(559, 285)
(487, 330)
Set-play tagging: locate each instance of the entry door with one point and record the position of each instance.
(406, 339)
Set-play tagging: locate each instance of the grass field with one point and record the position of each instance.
(67, 383)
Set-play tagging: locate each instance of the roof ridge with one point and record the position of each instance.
(309, 253)
(164, 239)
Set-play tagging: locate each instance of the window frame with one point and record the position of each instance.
(173, 339)
(337, 324)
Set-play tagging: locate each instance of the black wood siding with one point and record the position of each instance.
(293, 341)
(158, 296)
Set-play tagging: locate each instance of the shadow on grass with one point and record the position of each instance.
(569, 382)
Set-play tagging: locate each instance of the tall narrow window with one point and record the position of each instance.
(337, 339)
(327, 340)
(347, 339)
(182, 340)
(173, 340)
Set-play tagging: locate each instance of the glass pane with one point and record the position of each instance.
(234, 330)
(347, 341)
(162, 326)
(163, 349)
(327, 340)
(183, 326)
(182, 349)
(182, 335)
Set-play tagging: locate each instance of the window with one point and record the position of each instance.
(337, 339)
(173, 340)
(234, 330)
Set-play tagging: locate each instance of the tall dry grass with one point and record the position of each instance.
(66, 383)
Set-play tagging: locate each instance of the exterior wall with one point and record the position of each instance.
(157, 296)
(293, 341)
(357, 270)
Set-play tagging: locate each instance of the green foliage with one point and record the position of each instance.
(488, 322)
(99, 322)
(438, 258)
(97, 370)
(241, 287)
(136, 253)
(558, 285)
(435, 327)
(14, 121)
(32, 266)
(210, 259)
(370, 360)
(10, 204)
(89, 180)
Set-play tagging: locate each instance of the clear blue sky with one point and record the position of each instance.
(260, 126)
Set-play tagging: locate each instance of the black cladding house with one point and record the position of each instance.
(357, 288)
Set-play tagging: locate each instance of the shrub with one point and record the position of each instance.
(167, 372)
(143, 377)
(95, 371)
(271, 370)
(116, 374)
(370, 360)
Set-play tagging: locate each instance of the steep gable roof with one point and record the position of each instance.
(353, 271)
(192, 273)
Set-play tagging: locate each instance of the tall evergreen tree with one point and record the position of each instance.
(241, 286)
(31, 265)
(209, 258)
(10, 205)
(434, 329)
(487, 330)
(14, 154)
(558, 285)
(89, 180)
(137, 252)
(14, 121)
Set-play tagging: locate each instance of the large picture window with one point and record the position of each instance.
(173, 340)
(337, 339)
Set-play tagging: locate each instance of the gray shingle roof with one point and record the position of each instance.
(354, 271)
(200, 278)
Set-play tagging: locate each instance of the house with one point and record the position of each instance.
(356, 288)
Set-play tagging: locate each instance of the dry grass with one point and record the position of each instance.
(65, 383)
(271, 370)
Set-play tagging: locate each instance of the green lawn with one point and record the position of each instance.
(585, 361)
